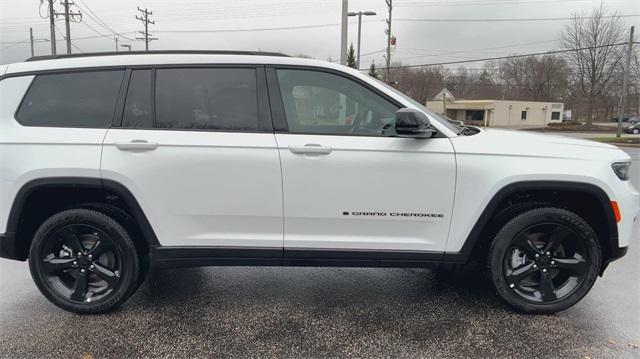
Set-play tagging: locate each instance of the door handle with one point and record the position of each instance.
(310, 149)
(137, 145)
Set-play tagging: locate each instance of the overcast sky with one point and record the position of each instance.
(418, 42)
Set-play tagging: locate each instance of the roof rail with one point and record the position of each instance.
(159, 52)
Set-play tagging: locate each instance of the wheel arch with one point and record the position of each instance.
(20, 227)
(596, 207)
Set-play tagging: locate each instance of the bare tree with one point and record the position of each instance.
(535, 78)
(594, 59)
(421, 84)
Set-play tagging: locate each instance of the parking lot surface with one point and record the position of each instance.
(323, 312)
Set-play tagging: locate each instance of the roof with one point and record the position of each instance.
(166, 52)
(123, 59)
(444, 93)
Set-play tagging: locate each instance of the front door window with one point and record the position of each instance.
(323, 103)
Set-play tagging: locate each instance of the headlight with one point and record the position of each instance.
(621, 169)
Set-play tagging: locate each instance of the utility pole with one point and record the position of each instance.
(31, 39)
(444, 103)
(359, 15)
(116, 38)
(388, 32)
(145, 20)
(344, 32)
(52, 27)
(68, 14)
(625, 81)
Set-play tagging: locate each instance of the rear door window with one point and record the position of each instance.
(223, 99)
(77, 99)
(138, 108)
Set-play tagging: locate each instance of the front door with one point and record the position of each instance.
(200, 156)
(350, 184)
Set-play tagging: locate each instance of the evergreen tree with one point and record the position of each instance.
(351, 57)
(372, 70)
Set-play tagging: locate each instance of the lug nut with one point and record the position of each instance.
(91, 266)
(537, 255)
(535, 266)
(511, 285)
(82, 270)
(79, 254)
(90, 256)
(553, 262)
(75, 263)
(548, 253)
(544, 271)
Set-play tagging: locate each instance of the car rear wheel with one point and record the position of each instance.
(84, 261)
(636, 131)
(544, 260)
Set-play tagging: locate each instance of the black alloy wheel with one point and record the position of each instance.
(83, 261)
(544, 260)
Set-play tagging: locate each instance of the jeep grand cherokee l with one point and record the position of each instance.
(114, 163)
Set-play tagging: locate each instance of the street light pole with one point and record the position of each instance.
(343, 32)
(359, 15)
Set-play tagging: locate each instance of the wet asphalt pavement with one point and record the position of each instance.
(323, 312)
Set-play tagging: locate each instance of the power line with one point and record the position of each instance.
(93, 16)
(481, 3)
(94, 30)
(513, 19)
(74, 39)
(506, 57)
(250, 30)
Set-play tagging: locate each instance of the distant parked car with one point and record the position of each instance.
(635, 128)
(625, 118)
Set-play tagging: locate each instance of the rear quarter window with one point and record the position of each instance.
(78, 99)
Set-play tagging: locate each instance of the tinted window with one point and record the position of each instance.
(555, 115)
(82, 99)
(319, 102)
(208, 99)
(138, 106)
(523, 115)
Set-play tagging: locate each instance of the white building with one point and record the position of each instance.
(499, 113)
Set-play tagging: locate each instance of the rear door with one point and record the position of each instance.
(352, 187)
(196, 149)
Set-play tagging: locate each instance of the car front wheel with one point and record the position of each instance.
(83, 261)
(544, 260)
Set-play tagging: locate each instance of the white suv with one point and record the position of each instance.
(111, 164)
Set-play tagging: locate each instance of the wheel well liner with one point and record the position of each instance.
(474, 239)
(106, 188)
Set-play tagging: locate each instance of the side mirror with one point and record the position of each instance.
(413, 123)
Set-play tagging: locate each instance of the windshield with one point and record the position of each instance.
(421, 107)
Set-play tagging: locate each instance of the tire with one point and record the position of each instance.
(635, 131)
(544, 260)
(78, 241)
(130, 225)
